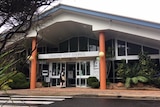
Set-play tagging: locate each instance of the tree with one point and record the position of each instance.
(17, 16)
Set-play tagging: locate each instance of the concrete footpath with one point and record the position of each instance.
(54, 91)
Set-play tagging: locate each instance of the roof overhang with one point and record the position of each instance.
(65, 21)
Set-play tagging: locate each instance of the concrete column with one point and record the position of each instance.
(102, 55)
(33, 64)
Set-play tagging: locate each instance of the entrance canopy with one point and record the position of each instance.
(62, 22)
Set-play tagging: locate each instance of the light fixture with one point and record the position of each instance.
(30, 58)
(101, 54)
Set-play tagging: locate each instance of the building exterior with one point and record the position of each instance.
(87, 43)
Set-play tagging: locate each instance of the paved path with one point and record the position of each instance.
(54, 91)
(29, 101)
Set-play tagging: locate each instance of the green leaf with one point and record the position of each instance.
(5, 87)
(135, 80)
(128, 82)
(142, 79)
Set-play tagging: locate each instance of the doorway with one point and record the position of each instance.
(70, 74)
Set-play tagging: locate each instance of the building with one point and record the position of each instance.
(87, 43)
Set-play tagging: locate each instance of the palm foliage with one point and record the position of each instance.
(142, 71)
(5, 70)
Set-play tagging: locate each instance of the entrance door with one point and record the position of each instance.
(82, 73)
(70, 74)
(55, 69)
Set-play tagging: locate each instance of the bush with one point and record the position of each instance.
(44, 84)
(95, 85)
(19, 81)
(93, 82)
(156, 82)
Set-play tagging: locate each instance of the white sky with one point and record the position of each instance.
(148, 10)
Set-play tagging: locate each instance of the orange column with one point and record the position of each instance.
(33, 64)
(102, 55)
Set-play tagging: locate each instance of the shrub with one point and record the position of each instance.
(95, 85)
(19, 81)
(93, 82)
(156, 82)
(44, 84)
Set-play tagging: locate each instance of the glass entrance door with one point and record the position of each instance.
(70, 74)
(82, 73)
(55, 73)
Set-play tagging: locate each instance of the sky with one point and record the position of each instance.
(148, 10)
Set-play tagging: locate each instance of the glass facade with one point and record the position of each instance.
(116, 51)
(121, 48)
(73, 44)
(83, 44)
(63, 47)
(149, 50)
(129, 52)
(76, 44)
(133, 49)
(110, 48)
(93, 45)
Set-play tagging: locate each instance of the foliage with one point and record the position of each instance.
(135, 80)
(93, 82)
(44, 84)
(19, 81)
(5, 71)
(17, 16)
(156, 82)
(142, 71)
(95, 85)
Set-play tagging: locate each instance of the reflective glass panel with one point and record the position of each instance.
(93, 45)
(74, 44)
(150, 50)
(133, 49)
(83, 44)
(121, 48)
(64, 47)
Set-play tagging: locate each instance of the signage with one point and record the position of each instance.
(68, 55)
(45, 72)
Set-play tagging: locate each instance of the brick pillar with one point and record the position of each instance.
(102, 55)
(33, 64)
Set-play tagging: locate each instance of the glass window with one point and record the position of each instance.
(121, 48)
(74, 44)
(88, 68)
(58, 68)
(83, 44)
(58, 81)
(51, 50)
(45, 66)
(53, 82)
(64, 47)
(78, 70)
(78, 81)
(83, 82)
(93, 45)
(133, 49)
(41, 50)
(83, 68)
(54, 69)
(150, 50)
(110, 50)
